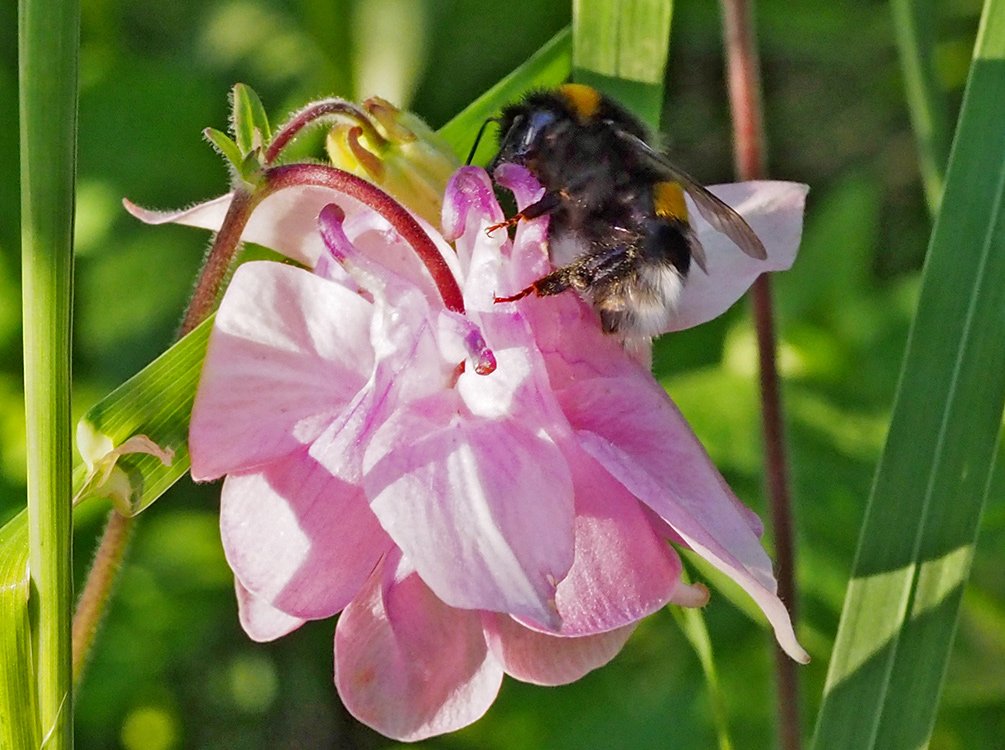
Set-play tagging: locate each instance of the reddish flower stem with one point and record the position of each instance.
(743, 72)
(219, 260)
(97, 591)
(292, 175)
(310, 115)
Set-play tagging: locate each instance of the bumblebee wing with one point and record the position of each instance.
(697, 251)
(719, 215)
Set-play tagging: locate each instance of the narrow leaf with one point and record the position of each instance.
(48, 35)
(620, 47)
(225, 146)
(902, 605)
(155, 403)
(914, 24)
(251, 124)
(691, 621)
(18, 708)
(546, 68)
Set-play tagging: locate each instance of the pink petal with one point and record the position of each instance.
(519, 181)
(408, 665)
(260, 621)
(408, 367)
(774, 211)
(468, 203)
(377, 256)
(542, 659)
(298, 538)
(288, 351)
(637, 434)
(494, 266)
(568, 335)
(471, 208)
(529, 256)
(518, 389)
(284, 221)
(622, 570)
(206, 215)
(482, 508)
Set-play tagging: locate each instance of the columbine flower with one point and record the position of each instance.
(478, 488)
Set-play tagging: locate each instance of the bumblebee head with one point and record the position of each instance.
(533, 128)
(529, 128)
(526, 129)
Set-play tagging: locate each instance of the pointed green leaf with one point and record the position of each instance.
(620, 47)
(251, 124)
(225, 146)
(902, 605)
(546, 68)
(18, 708)
(155, 403)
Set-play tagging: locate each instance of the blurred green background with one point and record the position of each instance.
(172, 668)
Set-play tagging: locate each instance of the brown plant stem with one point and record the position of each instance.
(743, 75)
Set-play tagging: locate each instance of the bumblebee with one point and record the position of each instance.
(619, 232)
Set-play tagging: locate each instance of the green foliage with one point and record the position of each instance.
(918, 540)
(48, 33)
(156, 404)
(225, 146)
(18, 705)
(547, 67)
(248, 118)
(620, 47)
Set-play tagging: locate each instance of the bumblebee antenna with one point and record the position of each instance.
(478, 138)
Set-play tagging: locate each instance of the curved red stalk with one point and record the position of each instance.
(320, 175)
(311, 114)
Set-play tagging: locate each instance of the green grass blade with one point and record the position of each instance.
(156, 403)
(547, 67)
(620, 47)
(48, 35)
(691, 621)
(914, 24)
(902, 605)
(18, 707)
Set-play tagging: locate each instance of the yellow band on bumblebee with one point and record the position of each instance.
(668, 201)
(584, 100)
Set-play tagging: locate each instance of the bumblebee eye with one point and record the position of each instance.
(539, 122)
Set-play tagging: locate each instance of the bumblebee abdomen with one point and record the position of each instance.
(642, 301)
(666, 243)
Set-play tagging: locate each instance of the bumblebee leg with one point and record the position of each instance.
(548, 203)
(582, 274)
(555, 282)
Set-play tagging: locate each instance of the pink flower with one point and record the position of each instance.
(478, 493)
